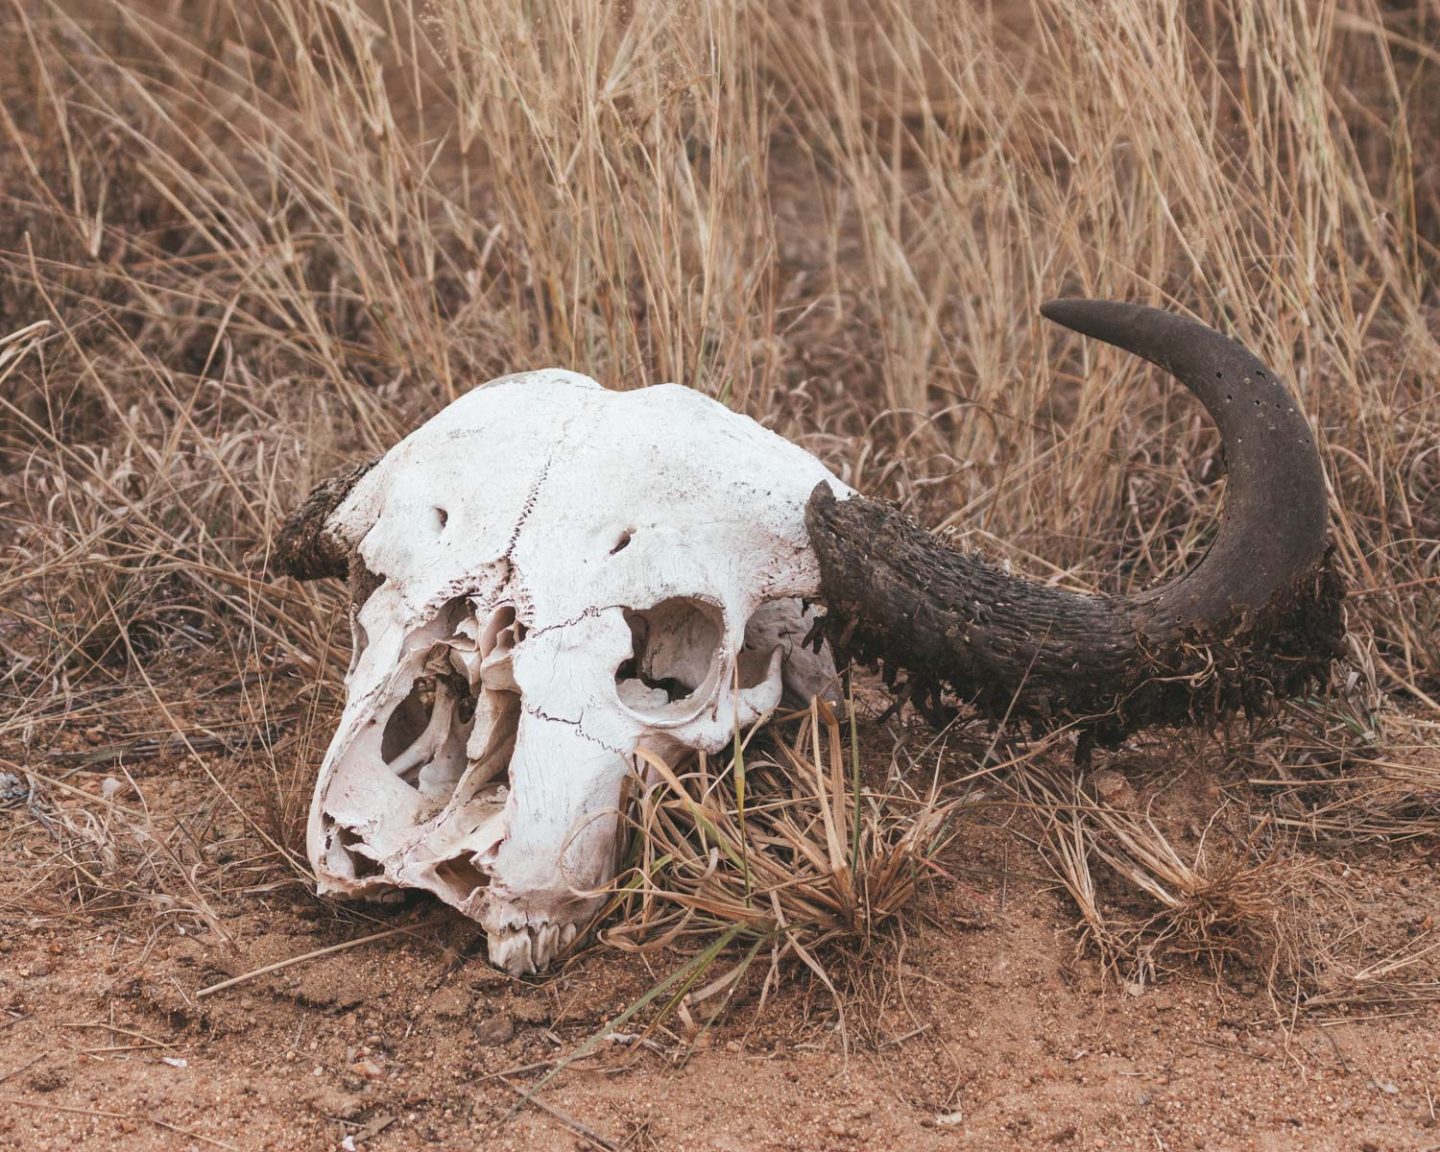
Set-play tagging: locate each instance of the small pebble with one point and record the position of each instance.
(494, 1030)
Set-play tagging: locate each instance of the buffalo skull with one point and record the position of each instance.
(549, 577)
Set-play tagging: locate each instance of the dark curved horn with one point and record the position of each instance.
(306, 547)
(1257, 617)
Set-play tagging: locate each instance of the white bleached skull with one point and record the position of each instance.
(551, 576)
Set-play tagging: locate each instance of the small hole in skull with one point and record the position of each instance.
(461, 876)
(624, 541)
(442, 517)
(351, 844)
(672, 651)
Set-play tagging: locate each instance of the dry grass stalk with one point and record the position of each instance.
(105, 857)
(1339, 778)
(1403, 980)
(1256, 901)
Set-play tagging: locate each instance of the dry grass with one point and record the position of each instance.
(1222, 902)
(789, 844)
(243, 244)
(1341, 779)
(783, 850)
(1163, 883)
(98, 857)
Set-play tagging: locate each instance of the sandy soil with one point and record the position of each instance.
(979, 1027)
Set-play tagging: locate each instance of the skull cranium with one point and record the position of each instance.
(566, 574)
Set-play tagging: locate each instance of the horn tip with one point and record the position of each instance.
(1086, 316)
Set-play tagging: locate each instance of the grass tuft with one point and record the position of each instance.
(781, 849)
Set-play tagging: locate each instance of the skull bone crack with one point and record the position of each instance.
(550, 576)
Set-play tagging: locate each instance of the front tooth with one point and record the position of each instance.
(546, 937)
(512, 951)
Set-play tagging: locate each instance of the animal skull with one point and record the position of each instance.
(565, 575)
(548, 578)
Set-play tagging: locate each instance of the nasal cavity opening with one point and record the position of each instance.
(427, 730)
(462, 877)
(673, 647)
(409, 720)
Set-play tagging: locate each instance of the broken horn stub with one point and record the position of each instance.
(308, 545)
(1258, 617)
(547, 578)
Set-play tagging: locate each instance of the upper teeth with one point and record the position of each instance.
(528, 948)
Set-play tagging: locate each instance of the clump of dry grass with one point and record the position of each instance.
(105, 856)
(1158, 890)
(1401, 981)
(1341, 778)
(788, 844)
(1156, 905)
(786, 857)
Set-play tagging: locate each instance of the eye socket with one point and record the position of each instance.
(673, 647)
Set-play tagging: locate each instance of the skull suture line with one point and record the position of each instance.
(549, 576)
(569, 574)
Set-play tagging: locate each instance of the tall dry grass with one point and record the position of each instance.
(243, 244)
